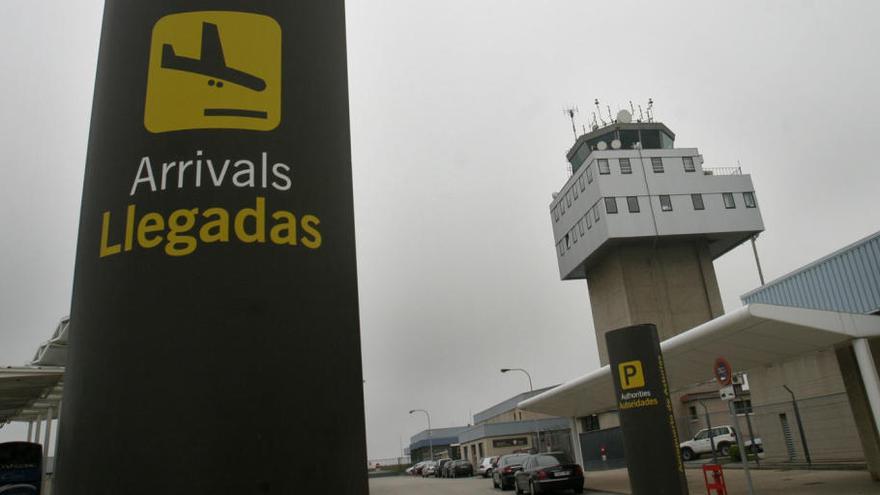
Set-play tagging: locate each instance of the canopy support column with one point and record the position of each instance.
(30, 431)
(868, 370)
(47, 438)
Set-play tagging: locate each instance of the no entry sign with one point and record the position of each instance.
(723, 372)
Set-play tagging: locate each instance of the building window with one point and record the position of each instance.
(688, 163)
(692, 413)
(596, 212)
(561, 248)
(574, 190)
(573, 234)
(657, 164)
(589, 222)
(604, 169)
(742, 406)
(590, 423)
(568, 198)
(481, 450)
(632, 202)
(590, 174)
(698, 201)
(749, 199)
(665, 202)
(728, 200)
(562, 206)
(625, 166)
(611, 205)
(581, 226)
(581, 181)
(567, 242)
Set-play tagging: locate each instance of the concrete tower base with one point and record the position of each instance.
(669, 283)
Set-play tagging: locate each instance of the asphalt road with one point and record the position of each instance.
(415, 485)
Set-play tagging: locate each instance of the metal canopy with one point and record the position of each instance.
(749, 337)
(28, 393)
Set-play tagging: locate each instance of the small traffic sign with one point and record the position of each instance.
(723, 372)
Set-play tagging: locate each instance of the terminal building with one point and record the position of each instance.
(503, 428)
(642, 221)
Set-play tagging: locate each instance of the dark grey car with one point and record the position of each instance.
(504, 473)
(549, 471)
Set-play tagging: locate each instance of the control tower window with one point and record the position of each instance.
(666, 141)
(665, 203)
(625, 166)
(657, 164)
(697, 199)
(611, 205)
(604, 169)
(651, 139)
(632, 202)
(688, 163)
(728, 200)
(590, 174)
(628, 139)
(749, 199)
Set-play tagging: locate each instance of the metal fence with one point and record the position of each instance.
(824, 423)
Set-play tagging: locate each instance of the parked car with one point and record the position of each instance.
(417, 468)
(505, 469)
(441, 467)
(549, 471)
(485, 469)
(724, 437)
(430, 469)
(459, 469)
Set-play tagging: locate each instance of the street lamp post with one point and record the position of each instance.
(430, 442)
(797, 416)
(505, 370)
(537, 433)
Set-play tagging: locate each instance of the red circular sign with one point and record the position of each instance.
(723, 372)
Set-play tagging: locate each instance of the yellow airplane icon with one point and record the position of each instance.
(214, 70)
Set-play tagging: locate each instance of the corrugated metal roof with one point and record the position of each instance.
(847, 280)
(507, 405)
(438, 434)
(513, 428)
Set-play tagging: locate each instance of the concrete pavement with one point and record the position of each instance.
(766, 482)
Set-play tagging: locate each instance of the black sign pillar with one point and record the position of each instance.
(646, 418)
(214, 339)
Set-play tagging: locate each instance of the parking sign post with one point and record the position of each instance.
(650, 436)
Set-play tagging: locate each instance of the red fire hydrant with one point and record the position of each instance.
(716, 482)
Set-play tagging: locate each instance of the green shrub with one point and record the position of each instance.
(734, 454)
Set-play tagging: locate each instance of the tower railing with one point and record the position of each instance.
(722, 171)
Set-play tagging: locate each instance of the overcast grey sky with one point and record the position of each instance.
(458, 142)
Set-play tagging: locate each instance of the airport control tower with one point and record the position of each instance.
(642, 222)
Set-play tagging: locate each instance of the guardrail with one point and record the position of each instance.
(722, 171)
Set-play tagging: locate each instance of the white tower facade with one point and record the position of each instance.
(642, 220)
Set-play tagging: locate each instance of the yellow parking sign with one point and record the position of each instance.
(214, 70)
(631, 375)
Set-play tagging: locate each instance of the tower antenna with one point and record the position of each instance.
(570, 111)
(650, 110)
(595, 124)
(610, 117)
(599, 112)
(641, 116)
(632, 110)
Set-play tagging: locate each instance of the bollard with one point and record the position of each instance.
(716, 485)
